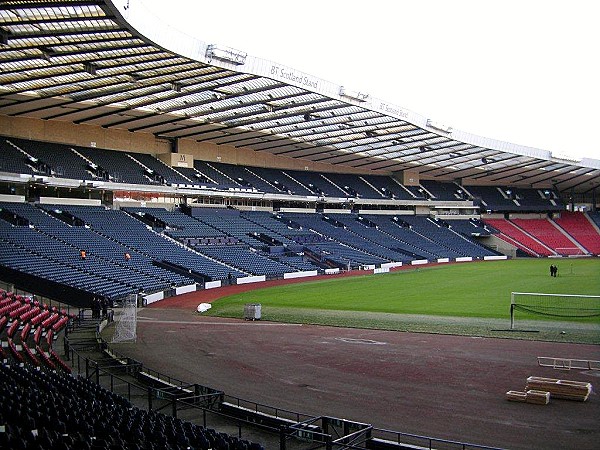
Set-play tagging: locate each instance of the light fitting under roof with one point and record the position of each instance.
(228, 54)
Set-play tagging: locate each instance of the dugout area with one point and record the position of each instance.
(449, 387)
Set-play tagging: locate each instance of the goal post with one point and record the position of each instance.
(574, 306)
(126, 327)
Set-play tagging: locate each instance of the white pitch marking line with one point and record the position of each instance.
(360, 341)
(181, 322)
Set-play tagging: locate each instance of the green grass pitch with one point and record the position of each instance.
(470, 291)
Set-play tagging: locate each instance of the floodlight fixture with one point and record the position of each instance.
(228, 54)
(439, 126)
(4, 37)
(354, 95)
(134, 77)
(565, 157)
(90, 67)
(47, 53)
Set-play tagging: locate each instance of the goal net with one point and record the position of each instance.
(126, 327)
(554, 305)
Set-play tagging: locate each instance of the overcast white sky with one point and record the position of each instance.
(523, 71)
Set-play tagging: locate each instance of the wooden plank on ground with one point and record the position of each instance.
(565, 389)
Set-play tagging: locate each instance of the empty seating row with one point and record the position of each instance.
(573, 233)
(23, 324)
(86, 163)
(50, 410)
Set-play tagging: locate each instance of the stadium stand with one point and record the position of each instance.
(388, 187)
(47, 410)
(159, 172)
(24, 322)
(14, 159)
(211, 173)
(62, 160)
(281, 181)
(470, 227)
(444, 191)
(215, 243)
(580, 227)
(513, 234)
(317, 183)
(116, 166)
(553, 237)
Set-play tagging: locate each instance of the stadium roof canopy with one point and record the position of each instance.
(112, 64)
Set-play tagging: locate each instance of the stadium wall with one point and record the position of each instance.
(495, 243)
(81, 135)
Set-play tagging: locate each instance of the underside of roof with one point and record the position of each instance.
(82, 62)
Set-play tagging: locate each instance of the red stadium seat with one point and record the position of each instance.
(47, 361)
(20, 310)
(13, 348)
(49, 337)
(37, 336)
(59, 361)
(40, 317)
(13, 328)
(3, 322)
(25, 332)
(60, 324)
(50, 320)
(30, 354)
(29, 314)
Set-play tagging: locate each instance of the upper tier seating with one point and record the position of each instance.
(492, 198)
(195, 177)
(12, 159)
(352, 185)
(159, 171)
(63, 161)
(495, 198)
(119, 167)
(389, 187)
(444, 191)
(244, 177)
(318, 184)
(281, 181)
(209, 171)
(30, 157)
(537, 200)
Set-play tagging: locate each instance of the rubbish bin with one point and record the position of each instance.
(252, 311)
